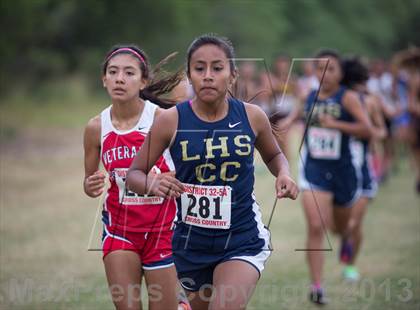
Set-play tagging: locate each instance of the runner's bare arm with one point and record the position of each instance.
(159, 138)
(378, 124)
(270, 152)
(94, 180)
(361, 128)
(265, 142)
(157, 113)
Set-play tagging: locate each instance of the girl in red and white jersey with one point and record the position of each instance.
(137, 229)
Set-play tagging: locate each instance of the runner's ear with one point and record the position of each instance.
(234, 77)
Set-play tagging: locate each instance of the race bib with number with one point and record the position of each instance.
(324, 143)
(206, 206)
(128, 197)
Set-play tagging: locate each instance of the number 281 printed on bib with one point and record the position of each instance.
(206, 206)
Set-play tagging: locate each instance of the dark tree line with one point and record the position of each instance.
(42, 39)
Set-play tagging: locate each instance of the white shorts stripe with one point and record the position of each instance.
(158, 267)
(108, 234)
(259, 260)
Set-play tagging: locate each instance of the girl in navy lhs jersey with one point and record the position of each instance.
(137, 229)
(355, 76)
(328, 177)
(220, 243)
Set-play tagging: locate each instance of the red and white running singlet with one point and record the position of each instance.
(127, 210)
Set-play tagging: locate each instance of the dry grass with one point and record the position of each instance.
(46, 221)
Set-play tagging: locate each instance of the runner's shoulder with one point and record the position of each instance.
(93, 126)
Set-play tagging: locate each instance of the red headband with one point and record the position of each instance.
(126, 49)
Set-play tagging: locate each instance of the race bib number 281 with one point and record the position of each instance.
(206, 206)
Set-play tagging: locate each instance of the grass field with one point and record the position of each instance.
(46, 222)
